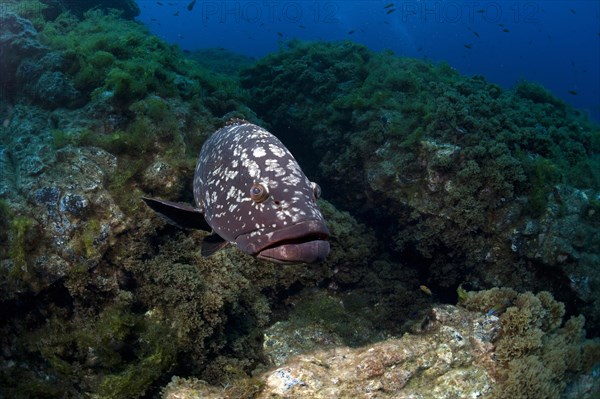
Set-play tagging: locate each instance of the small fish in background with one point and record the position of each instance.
(159, 3)
(505, 30)
(469, 46)
(390, 5)
(461, 130)
(481, 11)
(176, 14)
(390, 11)
(573, 64)
(492, 312)
(301, 26)
(426, 290)
(572, 92)
(572, 11)
(473, 32)
(279, 34)
(190, 6)
(351, 32)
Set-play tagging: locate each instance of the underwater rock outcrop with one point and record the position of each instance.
(18, 41)
(518, 350)
(30, 69)
(61, 214)
(467, 181)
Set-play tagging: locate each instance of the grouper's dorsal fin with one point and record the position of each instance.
(182, 215)
(212, 244)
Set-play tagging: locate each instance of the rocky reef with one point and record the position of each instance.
(455, 171)
(517, 351)
(437, 188)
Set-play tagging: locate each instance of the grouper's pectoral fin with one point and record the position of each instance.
(212, 244)
(182, 215)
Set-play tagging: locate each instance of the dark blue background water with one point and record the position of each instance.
(555, 43)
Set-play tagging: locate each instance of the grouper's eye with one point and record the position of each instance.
(316, 189)
(258, 193)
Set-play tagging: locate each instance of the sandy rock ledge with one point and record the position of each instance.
(451, 356)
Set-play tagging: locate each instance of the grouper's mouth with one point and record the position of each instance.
(309, 249)
(304, 242)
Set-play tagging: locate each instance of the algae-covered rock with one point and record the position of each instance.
(79, 315)
(61, 214)
(18, 42)
(453, 352)
(447, 361)
(536, 352)
(448, 170)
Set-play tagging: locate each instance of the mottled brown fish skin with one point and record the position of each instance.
(286, 227)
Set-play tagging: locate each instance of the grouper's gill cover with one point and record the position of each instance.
(252, 192)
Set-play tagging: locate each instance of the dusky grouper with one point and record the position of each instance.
(250, 191)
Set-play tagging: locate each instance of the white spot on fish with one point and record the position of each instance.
(231, 192)
(259, 152)
(277, 151)
(230, 174)
(253, 168)
(290, 180)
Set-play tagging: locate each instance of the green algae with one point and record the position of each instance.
(119, 352)
(19, 226)
(89, 234)
(29, 9)
(153, 360)
(537, 94)
(544, 176)
(21, 230)
(537, 352)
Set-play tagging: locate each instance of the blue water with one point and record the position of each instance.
(554, 43)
